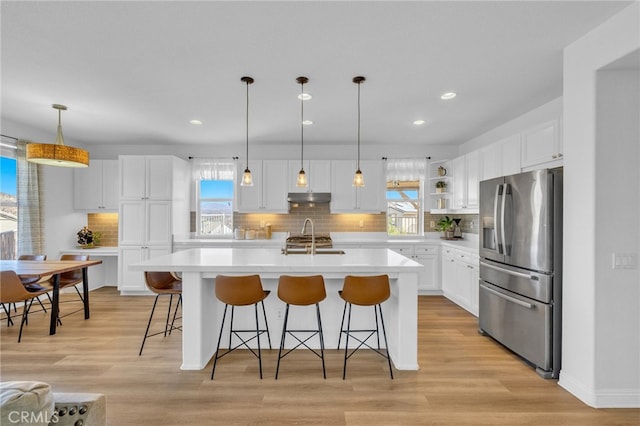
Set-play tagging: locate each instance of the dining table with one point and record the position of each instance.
(53, 268)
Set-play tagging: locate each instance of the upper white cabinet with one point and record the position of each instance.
(345, 198)
(542, 145)
(95, 188)
(318, 175)
(466, 171)
(501, 158)
(145, 177)
(269, 190)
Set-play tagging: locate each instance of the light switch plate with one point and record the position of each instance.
(624, 260)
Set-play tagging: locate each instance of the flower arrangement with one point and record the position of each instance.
(88, 238)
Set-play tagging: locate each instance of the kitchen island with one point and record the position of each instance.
(202, 312)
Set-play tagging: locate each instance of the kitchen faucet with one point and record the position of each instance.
(313, 234)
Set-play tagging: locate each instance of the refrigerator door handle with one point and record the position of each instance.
(507, 271)
(509, 298)
(503, 211)
(497, 232)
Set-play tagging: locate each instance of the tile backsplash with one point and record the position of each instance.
(324, 221)
(107, 223)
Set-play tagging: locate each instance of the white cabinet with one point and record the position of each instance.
(154, 205)
(466, 171)
(427, 255)
(318, 174)
(269, 190)
(145, 177)
(501, 158)
(542, 145)
(460, 274)
(345, 198)
(95, 188)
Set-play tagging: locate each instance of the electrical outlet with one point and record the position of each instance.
(280, 313)
(262, 224)
(432, 223)
(361, 224)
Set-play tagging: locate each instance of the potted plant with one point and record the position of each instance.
(441, 186)
(445, 225)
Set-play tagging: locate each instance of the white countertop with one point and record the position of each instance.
(257, 260)
(96, 251)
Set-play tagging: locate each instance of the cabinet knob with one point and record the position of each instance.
(554, 156)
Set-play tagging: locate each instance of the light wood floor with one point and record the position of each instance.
(464, 378)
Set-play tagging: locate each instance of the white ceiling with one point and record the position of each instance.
(137, 72)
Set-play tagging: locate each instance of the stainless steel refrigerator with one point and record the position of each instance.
(520, 302)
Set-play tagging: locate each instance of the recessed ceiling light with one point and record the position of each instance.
(448, 95)
(419, 122)
(195, 122)
(304, 96)
(307, 122)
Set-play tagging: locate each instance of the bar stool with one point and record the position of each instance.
(364, 291)
(241, 291)
(163, 284)
(301, 291)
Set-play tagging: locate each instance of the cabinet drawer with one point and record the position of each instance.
(404, 250)
(426, 250)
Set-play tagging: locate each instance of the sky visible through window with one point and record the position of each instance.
(8, 175)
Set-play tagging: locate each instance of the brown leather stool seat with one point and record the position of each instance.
(163, 284)
(364, 291)
(241, 291)
(14, 291)
(301, 291)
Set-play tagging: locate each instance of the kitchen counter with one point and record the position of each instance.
(202, 312)
(96, 251)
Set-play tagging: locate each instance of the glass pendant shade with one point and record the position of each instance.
(302, 179)
(57, 154)
(358, 179)
(247, 178)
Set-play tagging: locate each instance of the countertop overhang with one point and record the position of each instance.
(272, 260)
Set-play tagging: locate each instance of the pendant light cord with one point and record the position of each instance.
(358, 165)
(247, 125)
(302, 125)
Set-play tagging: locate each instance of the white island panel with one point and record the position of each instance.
(202, 312)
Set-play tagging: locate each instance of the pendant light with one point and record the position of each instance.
(358, 178)
(247, 179)
(57, 154)
(302, 176)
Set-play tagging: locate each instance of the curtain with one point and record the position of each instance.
(406, 169)
(213, 169)
(29, 184)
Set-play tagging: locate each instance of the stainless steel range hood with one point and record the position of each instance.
(309, 197)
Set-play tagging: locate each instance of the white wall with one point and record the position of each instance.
(585, 365)
(546, 112)
(617, 218)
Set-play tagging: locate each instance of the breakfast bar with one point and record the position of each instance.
(202, 312)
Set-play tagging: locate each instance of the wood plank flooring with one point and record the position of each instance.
(464, 379)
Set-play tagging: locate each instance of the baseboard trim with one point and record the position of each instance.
(606, 398)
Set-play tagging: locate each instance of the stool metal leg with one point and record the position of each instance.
(266, 324)
(344, 310)
(166, 323)
(148, 324)
(258, 339)
(324, 371)
(346, 344)
(215, 358)
(284, 335)
(384, 332)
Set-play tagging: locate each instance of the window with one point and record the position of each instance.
(8, 206)
(404, 208)
(215, 207)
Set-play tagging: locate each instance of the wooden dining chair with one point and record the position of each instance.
(13, 291)
(68, 279)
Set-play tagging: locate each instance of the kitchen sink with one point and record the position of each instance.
(318, 251)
